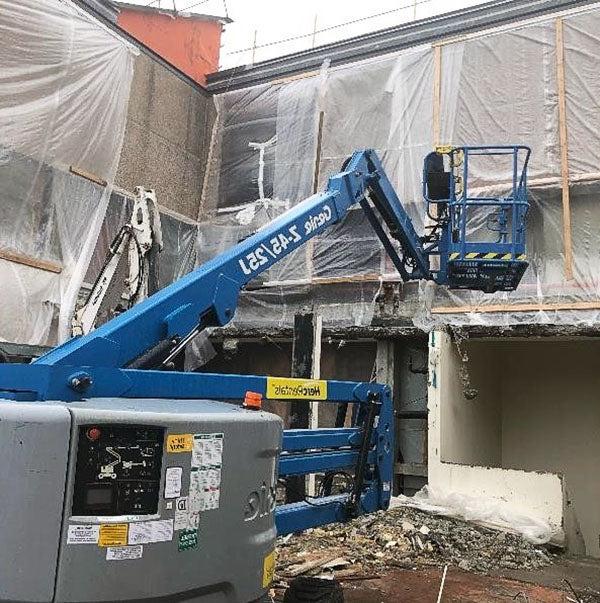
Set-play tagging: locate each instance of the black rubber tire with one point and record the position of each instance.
(314, 590)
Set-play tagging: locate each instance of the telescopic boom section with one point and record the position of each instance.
(208, 296)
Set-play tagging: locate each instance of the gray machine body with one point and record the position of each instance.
(51, 552)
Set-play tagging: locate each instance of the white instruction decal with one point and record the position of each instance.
(79, 534)
(208, 449)
(194, 499)
(185, 518)
(123, 553)
(205, 478)
(145, 532)
(173, 482)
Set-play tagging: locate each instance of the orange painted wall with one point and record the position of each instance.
(190, 44)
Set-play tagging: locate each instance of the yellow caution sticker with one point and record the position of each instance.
(268, 569)
(181, 442)
(281, 388)
(113, 534)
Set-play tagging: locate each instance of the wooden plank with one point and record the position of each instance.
(313, 417)
(303, 346)
(437, 94)
(564, 149)
(292, 78)
(310, 247)
(27, 260)
(584, 305)
(317, 168)
(357, 278)
(87, 175)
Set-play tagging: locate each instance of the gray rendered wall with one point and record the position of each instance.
(167, 137)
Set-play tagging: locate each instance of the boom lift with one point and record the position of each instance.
(124, 480)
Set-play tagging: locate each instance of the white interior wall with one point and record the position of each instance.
(532, 493)
(551, 422)
(472, 429)
(537, 411)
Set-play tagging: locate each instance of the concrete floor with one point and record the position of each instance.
(540, 586)
(582, 573)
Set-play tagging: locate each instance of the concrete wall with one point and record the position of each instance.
(168, 132)
(537, 411)
(472, 429)
(533, 494)
(551, 422)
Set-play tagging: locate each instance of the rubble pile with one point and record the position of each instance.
(404, 537)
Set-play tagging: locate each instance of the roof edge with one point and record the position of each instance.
(171, 12)
(492, 14)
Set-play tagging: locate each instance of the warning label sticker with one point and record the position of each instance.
(207, 450)
(181, 442)
(146, 532)
(205, 477)
(87, 534)
(280, 388)
(124, 553)
(268, 569)
(185, 518)
(173, 482)
(188, 539)
(112, 534)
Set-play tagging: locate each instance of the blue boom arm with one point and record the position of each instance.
(127, 356)
(208, 296)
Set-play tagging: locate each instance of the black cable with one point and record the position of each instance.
(113, 246)
(306, 498)
(331, 27)
(141, 272)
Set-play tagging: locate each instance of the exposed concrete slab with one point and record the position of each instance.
(582, 573)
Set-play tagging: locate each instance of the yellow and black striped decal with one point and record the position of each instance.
(489, 256)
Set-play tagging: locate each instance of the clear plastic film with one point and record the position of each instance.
(500, 87)
(179, 236)
(520, 104)
(64, 87)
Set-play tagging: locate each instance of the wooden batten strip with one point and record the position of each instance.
(549, 307)
(87, 175)
(564, 149)
(437, 94)
(27, 260)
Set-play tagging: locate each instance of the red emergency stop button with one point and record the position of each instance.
(93, 434)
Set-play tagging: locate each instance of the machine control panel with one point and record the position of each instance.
(118, 470)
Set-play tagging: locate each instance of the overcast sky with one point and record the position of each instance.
(275, 20)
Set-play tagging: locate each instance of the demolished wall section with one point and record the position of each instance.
(535, 494)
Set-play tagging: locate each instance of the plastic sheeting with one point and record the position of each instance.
(497, 88)
(484, 511)
(180, 235)
(64, 87)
